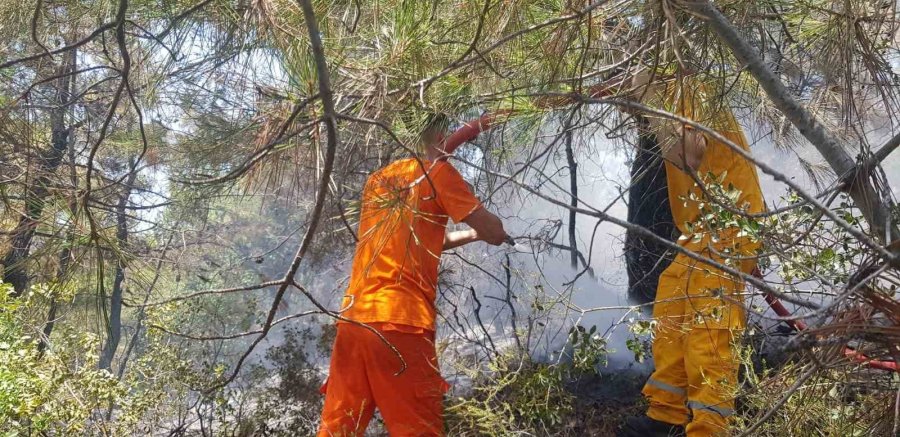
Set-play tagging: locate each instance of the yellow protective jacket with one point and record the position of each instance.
(722, 170)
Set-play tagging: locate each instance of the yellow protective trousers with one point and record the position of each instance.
(699, 319)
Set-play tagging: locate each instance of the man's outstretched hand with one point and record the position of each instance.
(485, 226)
(455, 239)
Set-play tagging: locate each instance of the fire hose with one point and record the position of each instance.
(470, 130)
(800, 326)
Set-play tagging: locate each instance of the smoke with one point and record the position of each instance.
(548, 295)
(495, 299)
(542, 275)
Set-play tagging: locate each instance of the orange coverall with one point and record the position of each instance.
(392, 290)
(698, 311)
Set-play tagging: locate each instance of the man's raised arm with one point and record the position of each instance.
(680, 145)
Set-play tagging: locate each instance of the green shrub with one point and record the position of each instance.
(516, 394)
(61, 392)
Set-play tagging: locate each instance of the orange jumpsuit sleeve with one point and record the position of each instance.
(452, 193)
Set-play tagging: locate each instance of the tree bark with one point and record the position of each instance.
(114, 330)
(875, 208)
(15, 272)
(573, 190)
(65, 255)
(648, 206)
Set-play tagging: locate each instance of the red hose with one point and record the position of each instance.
(779, 309)
(798, 326)
(470, 130)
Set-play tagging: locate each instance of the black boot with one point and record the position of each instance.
(644, 426)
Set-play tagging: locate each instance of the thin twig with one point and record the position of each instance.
(784, 398)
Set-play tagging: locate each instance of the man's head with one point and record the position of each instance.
(431, 139)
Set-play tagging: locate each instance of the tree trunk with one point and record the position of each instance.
(15, 272)
(139, 323)
(114, 330)
(65, 255)
(648, 206)
(573, 190)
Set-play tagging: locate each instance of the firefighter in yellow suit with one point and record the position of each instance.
(698, 310)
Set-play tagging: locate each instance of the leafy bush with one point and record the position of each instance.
(517, 394)
(830, 403)
(59, 392)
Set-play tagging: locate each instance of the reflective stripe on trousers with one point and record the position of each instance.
(667, 387)
(693, 405)
(696, 405)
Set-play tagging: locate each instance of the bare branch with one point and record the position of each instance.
(237, 335)
(97, 32)
(207, 293)
(481, 53)
(264, 151)
(644, 232)
(784, 398)
(177, 19)
(856, 232)
(34, 25)
(882, 153)
(330, 119)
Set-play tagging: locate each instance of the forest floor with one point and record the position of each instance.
(603, 402)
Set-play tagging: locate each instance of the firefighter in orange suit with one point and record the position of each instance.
(402, 232)
(698, 308)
